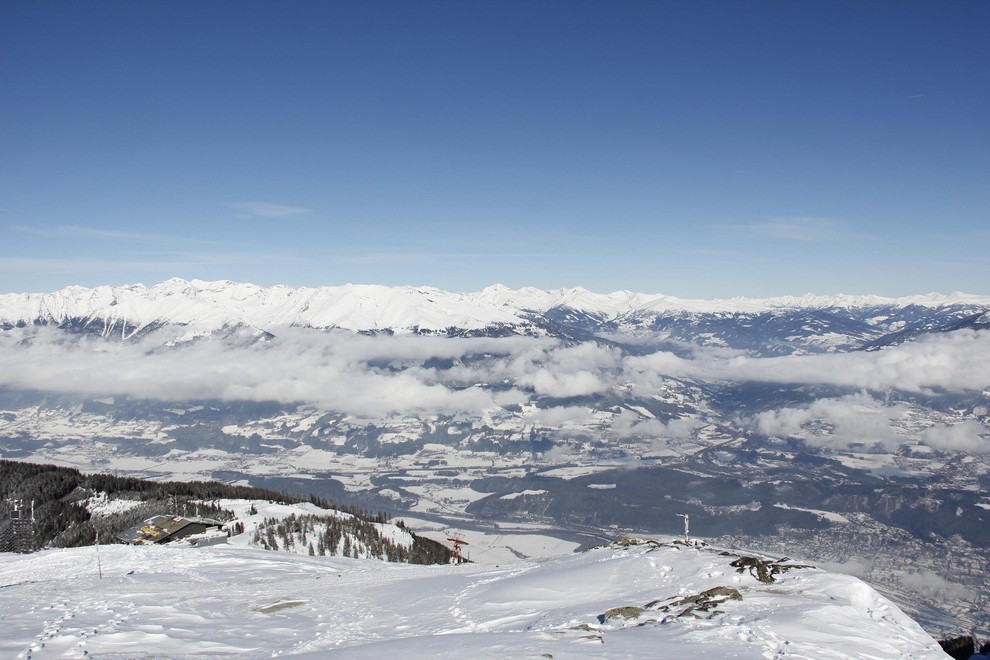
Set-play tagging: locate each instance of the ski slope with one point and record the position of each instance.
(173, 601)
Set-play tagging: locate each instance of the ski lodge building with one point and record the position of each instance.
(163, 529)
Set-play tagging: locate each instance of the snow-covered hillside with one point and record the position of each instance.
(213, 305)
(644, 600)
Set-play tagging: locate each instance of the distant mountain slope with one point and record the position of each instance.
(774, 325)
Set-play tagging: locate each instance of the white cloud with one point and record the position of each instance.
(957, 361)
(560, 416)
(932, 585)
(562, 385)
(628, 424)
(330, 370)
(797, 229)
(381, 376)
(568, 371)
(861, 421)
(75, 231)
(837, 423)
(967, 435)
(267, 210)
(859, 567)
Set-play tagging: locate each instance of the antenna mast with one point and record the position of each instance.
(20, 535)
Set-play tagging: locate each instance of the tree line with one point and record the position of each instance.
(345, 536)
(61, 520)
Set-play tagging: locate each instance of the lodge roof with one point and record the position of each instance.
(162, 528)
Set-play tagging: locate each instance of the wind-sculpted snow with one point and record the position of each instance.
(177, 602)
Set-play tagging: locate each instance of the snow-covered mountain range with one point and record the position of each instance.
(213, 305)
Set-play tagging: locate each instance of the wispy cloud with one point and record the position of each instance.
(172, 263)
(49, 265)
(796, 229)
(709, 252)
(74, 231)
(392, 257)
(271, 211)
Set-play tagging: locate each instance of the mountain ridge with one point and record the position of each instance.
(212, 305)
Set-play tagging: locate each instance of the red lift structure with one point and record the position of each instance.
(458, 542)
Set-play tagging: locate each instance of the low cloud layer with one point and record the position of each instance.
(865, 423)
(967, 435)
(856, 420)
(381, 376)
(953, 362)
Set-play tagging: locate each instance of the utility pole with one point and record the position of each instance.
(99, 567)
(687, 526)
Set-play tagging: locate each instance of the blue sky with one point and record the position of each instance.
(698, 149)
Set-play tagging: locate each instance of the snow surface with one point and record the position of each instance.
(209, 306)
(101, 505)
(174, 601)
(502, 545)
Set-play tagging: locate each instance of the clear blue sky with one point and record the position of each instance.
(699, 149)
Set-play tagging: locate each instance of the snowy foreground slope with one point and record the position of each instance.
(181, 601)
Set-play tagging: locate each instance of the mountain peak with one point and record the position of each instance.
(209, 305)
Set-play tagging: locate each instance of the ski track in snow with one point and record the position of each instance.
(197, 602)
